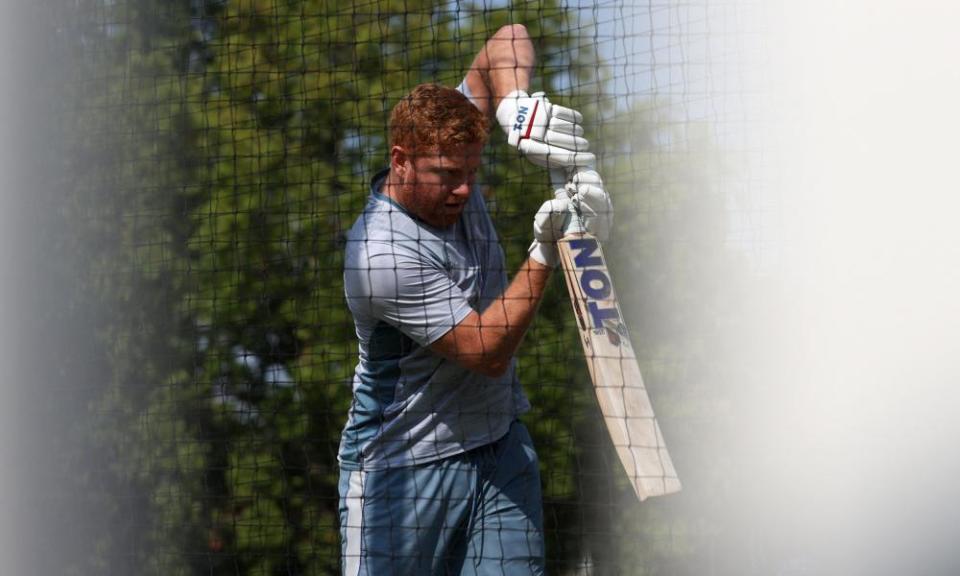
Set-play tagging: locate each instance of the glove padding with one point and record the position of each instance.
(546, 134)
(554, 220)
(591, 204)
(580, 205)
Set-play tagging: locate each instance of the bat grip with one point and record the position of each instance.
(559, 177)
(563, 188)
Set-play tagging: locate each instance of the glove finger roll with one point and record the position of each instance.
(568, 141)
(565, 126)
(588, 176)
(564, 113)
(553, 156)
(593, 198)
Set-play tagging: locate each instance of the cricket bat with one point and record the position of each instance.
(613, 367)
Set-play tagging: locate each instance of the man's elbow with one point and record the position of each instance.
(492, 368)
(512, 32)
(487, 365)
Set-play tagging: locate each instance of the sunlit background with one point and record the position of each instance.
(786, 255)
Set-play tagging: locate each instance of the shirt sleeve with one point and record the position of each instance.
(465, 90)
(404, 290)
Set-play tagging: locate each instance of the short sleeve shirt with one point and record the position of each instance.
(407, 284)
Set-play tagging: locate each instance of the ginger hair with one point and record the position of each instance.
(434, 118)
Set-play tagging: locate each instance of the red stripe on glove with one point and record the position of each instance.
(536, 106)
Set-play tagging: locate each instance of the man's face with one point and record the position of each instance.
(435, 187)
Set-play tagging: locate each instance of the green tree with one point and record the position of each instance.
(121, 176)
(234, 145)
(293, 102)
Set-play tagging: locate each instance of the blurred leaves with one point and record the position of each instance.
(221, 151)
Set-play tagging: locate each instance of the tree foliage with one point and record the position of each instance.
(230, 146)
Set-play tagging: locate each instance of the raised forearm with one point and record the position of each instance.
(510, 60)
(504, 64)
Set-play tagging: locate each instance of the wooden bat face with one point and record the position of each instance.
(613, 367)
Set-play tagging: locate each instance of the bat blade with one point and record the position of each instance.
(613, 367)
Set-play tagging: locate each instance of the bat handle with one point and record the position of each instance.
(559, 177)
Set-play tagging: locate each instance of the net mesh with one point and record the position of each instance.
(215, 154)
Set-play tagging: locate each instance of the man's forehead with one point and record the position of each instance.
(467, 153)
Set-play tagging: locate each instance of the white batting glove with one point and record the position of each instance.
(580, 205)
(554, 220)
(591, 203)
(546, 134)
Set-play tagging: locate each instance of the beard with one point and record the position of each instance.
(433, 206)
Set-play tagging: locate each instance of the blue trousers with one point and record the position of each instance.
(479, 512)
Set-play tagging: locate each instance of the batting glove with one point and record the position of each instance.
(554, 220)
(591, 203)
(546, 134)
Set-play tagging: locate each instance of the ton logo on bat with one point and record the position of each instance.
(597, 286)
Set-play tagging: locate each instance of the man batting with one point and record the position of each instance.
(438, 475)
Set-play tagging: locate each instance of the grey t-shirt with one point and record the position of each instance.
(407, 284)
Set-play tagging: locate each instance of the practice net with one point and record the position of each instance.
(214, 155)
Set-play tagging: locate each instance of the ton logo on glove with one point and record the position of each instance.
(521, 118)
(546, 134)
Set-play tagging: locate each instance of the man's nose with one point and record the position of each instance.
(462, 189)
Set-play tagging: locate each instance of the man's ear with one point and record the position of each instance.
(399, 161)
